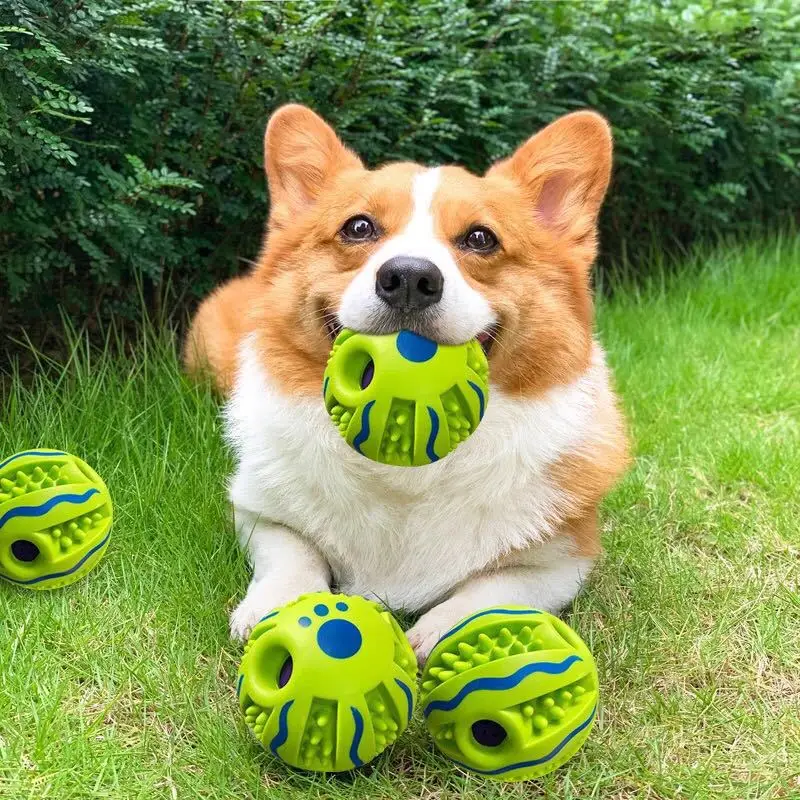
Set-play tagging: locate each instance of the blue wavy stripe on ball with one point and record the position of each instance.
(40, 453)
(358, 720)
(325, 385)
(430, 452)
(283, 729)
(55, 575)
(43, 508)
(363, 434)
(501, 684)
(481, 398)
(486, 612)
(414, 347)
(409, 696)
(239, 686)
(536, 761)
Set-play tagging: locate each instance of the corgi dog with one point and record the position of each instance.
(511, 516)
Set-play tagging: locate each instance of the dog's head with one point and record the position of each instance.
(504, 257)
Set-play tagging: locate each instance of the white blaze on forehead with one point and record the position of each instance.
(418, 238)
(423, 190)
(462, 312)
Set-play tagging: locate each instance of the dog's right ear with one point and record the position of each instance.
(564, 172)
(301, 154)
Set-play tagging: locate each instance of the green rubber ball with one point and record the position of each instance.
(510, 693)
(55, 519)
(403, 399)
(327, 682)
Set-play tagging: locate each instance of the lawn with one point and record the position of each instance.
(122, 685)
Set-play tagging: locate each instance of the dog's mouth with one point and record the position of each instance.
(332, 325)
(486, 338)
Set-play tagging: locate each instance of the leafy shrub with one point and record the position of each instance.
(130, 132)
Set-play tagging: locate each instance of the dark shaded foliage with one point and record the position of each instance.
(130, 132)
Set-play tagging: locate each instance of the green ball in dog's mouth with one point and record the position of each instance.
(403, 399)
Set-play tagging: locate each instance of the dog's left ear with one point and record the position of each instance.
(564, 170)
(301, 155)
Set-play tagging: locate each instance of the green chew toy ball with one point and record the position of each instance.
(510, 693)
(327, 682)
(403, 399)
(55, 519)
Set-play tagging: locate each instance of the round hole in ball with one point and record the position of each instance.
(285, 674)
(23, 550)
(367, 374)
(272, 664)
(488, 733)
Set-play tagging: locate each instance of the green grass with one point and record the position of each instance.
(122, 686)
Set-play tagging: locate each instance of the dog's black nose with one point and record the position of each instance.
(409, 284)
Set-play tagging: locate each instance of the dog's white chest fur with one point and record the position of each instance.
(405, 535)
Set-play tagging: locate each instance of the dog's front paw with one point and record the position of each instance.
(258, 601)
(266, 595)
(245, 616)
(423, 638)
(433, 625)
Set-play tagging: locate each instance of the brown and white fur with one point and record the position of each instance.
(509, 517)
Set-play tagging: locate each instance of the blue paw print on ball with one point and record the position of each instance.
(337, 638)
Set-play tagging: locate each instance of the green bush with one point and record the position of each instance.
(130, 132)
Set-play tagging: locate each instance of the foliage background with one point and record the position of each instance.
(130, 132)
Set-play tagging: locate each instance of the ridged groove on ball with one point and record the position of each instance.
(303, 724)
(476, 360)
(30, 478)
(55, 505)
(524, 633)
(398, 436)
(494, 669)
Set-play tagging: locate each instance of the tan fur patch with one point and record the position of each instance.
(584, 533)
(222, 321)
(587, 477)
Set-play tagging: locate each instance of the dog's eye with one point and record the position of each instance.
(359, 228)
(480, 239)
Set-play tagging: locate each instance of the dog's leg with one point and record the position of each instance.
(549, 588)
(285, 565)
